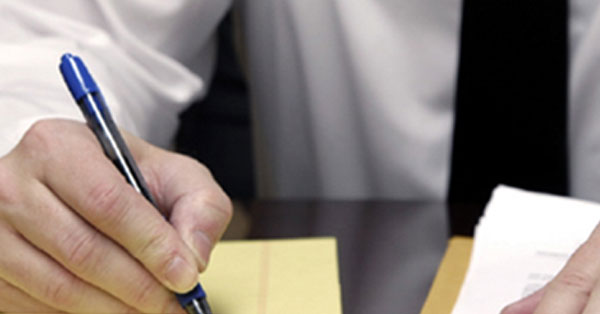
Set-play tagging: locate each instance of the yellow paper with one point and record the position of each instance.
(272, 277)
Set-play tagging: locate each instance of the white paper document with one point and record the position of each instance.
(522, 241)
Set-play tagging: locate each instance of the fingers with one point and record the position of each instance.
(34, 273)
(199, 209)
(526, 305)
(98, 192)
(103, 221)
(65, 157)
(48, 224)
(13, 300)
(570, 290)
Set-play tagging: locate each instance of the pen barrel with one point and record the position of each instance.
(99, 119)
(87, 94)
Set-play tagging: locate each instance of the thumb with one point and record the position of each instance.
(526, 305)
(187, 193)
(197, 206)
(201, 218)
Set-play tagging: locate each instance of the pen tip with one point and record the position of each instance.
(198, 306)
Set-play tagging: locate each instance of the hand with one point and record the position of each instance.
(76, 238)
(575, 289)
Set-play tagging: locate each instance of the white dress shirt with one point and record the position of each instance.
(150, 58)
(351, 98)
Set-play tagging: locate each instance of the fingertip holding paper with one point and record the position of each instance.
(274, 276)
(521, 242)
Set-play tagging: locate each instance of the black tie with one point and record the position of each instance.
(511, 112)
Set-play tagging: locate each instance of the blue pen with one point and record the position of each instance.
(91, 102)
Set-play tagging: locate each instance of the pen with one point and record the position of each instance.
(86, 93)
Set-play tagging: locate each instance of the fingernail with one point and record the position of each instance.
(201, 246)
(181, 275)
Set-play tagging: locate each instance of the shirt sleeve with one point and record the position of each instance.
(150, 58)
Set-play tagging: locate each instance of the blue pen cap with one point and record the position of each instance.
(77, 77)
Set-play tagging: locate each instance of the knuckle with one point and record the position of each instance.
(226, 205)
(202, 167)
(192, 163)
(213, 196)
(216, 211)
(217, 200)
(145, 294)
(157, 242)
(106, 202)
(39, 138)
(60, 293)
(187, 160)
(80, 251)
(575, 281)
(223, 206)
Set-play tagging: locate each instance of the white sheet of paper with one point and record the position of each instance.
(521, 242)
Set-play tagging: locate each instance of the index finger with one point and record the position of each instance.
(93, 187)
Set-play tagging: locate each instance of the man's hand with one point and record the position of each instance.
(575, 289)
(76, 237)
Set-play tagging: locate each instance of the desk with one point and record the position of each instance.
(388, 251)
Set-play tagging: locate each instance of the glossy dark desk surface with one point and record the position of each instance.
(388, 251)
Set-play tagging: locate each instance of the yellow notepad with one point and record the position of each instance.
(276, 276)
